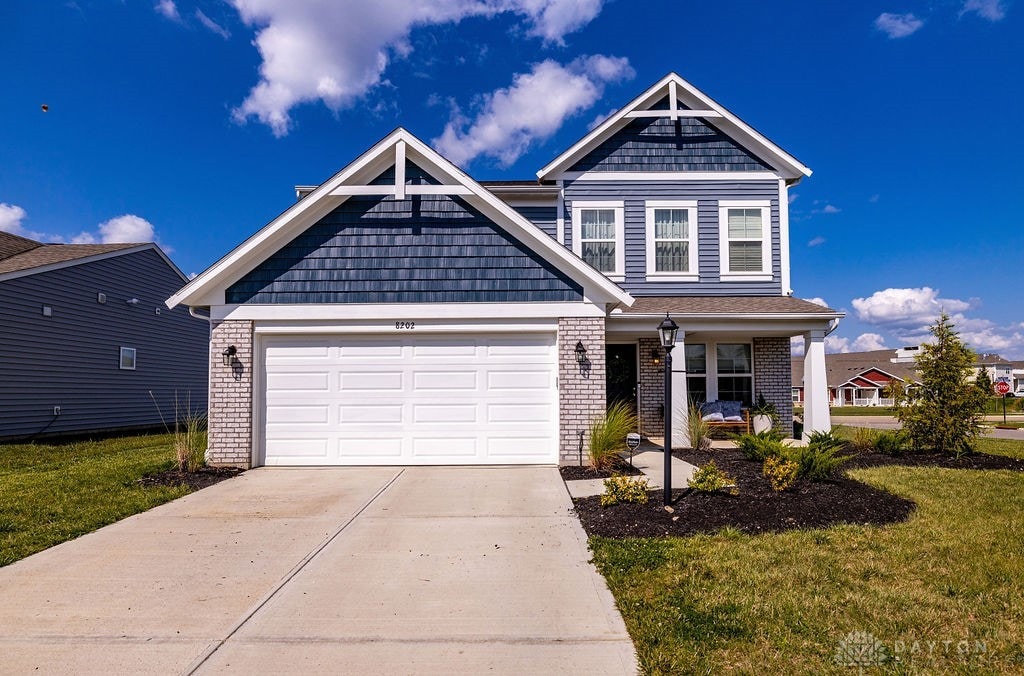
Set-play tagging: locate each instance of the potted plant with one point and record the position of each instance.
(763, 415)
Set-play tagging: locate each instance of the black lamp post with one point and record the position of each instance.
(667, 334)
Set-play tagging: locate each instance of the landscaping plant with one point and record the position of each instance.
(624, 489)
(891, 442)
(710, 478)
(781, 473)
(760, 446)
(697, 429)
(818, 460)
(943, 412)
(864, 439)
(608, 435)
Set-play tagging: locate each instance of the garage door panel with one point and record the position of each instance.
(414, 399)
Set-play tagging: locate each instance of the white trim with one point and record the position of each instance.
(405, 311)
(618, 206)
(560, 214)
(387, 328)
(388, 189)
(92, 259)
(784, 265)
(209, 287)
(735, 128)
(692, 273)
(400, 187)
(674, 114)
(765, 273)
(670, 176)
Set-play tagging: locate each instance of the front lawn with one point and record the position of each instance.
(53, 493)
(940, 592)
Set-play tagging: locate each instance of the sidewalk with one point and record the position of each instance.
(649, 459)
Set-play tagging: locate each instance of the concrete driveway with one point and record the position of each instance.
(350, 570)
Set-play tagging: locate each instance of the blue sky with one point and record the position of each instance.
(189, 122)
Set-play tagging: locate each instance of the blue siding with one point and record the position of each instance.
(71, 359)
(661, 144)
(707, 194)
(423, 249)
(545, 218)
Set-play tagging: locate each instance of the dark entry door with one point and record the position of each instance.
(621, 374)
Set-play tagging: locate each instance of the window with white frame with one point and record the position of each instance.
(597, 236)
(735, 369)
(745, 238)
(127, 359)
(672, 239)
(696, 372)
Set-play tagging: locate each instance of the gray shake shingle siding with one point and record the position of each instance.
(423, 249)
(71, 359)
(545, 218)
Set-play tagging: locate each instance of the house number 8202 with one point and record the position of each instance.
(405, 325)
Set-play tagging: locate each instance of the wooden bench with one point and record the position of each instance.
(743, 425)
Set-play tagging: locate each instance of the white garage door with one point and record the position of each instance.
(416, 400)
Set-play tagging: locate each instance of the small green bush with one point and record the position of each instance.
(760, 446)
(608, 435)
(697, 429)
(825, 440)
(816, 461)
(781, 473)
(864, 439)
(892, 442)
(624, 489)
(710, 478)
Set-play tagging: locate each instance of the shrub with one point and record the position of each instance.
(891, 442)
(608, 435)
(824, 440)
(760, 446)
(864, 439)
(781, 473)
(710, 478)
(190, 442)
(815, 461)
(697, 429)
(624, 489)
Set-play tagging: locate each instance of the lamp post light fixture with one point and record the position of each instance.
(581, 353)
(228, 354)
(667, 334)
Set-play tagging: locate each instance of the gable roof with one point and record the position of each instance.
(680, 91)
(391, 151)
(844, 367)
(20, 256)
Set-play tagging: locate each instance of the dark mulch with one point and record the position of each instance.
(971, 461)
(576, 472)
(757, 508)
(204, 477)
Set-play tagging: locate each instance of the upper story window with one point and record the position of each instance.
(597, 236)
(672, 240)
(745, 230)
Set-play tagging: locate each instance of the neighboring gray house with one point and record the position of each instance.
(85, 338)
(403, 313)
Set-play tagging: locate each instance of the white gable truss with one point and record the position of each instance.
(208, 289)
(697, 104)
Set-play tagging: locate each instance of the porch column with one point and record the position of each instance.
(680, 396)
(817, 417)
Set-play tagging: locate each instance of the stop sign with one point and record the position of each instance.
(1002, 388)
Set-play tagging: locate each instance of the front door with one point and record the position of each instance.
(621, 373)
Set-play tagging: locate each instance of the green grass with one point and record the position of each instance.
(1008, 447)
(783, 602)
(854, 410)
(53, 493)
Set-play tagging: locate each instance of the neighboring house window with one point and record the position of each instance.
(796, 395)
(672, 240)
(127, 358)
(745, 239)
(735, 372)
(597, 236)
(696, 372)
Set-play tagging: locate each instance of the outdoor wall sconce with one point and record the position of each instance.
(655, 356)
(228, 354)
(581, 353)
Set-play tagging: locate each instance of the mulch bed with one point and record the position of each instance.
(204, 477)
(576, 472)
(757, 508)
(971, 461)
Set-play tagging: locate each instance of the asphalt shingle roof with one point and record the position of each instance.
(22, 257)
(703, 305)
(840, 368)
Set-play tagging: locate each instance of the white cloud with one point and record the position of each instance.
(898, 25)
(168, 9)
(796, 346)
(793, 197)
(818, 301)
(531, 109)
(212, 25)
(906, 308)
(993, 10)
(836, 344)
(335, 51)
(816, 241)
(11, 216)
(123, 229)
(874, 198)
(866, 342)
(593, 124)
(830, 209)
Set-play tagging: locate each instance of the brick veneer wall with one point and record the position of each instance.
(229, 437)
(773, 378)
(581, 391)
(652, 389)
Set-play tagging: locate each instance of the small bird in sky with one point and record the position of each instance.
(45, 108)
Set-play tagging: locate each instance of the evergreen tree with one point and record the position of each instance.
(943, 413)
(983, 382)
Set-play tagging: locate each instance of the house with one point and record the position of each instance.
(997, 369)
(1018, 378)
(858, 378)
(403, 313)
(87, 344)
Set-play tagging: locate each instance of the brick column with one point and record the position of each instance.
(229, 439)
(581, 390)
(652, 388)
(773, 378)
